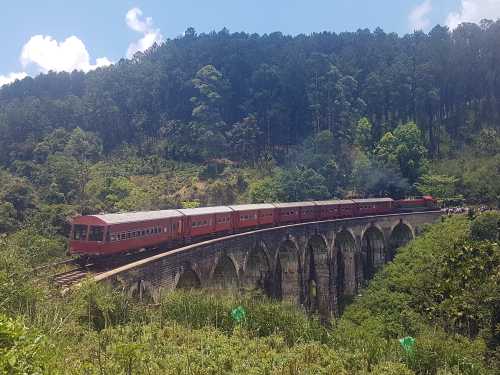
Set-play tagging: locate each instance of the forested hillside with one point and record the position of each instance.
(231, 117)
(219, 118)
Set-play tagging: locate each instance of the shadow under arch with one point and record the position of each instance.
(224, 275)
(188, 279)
(285, 283)
(257, 273)
(373, 251)
(316, 275)
(345, 261)
(401, 234)
(142, 291)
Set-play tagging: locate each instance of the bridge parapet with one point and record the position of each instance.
(316, 264)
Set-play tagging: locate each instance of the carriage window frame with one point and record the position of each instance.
(96, 233)
(80, 232)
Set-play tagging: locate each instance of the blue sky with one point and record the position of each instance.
(37, 36)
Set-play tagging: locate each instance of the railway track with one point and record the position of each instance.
(83, 269)
(68, 278)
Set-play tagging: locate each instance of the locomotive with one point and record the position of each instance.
(111, 234)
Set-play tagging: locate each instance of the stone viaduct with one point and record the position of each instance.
(319, 265)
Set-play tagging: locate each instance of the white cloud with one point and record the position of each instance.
(49, 54)
(474, 11)
(143, 25)
(419, 16)
(9, 78)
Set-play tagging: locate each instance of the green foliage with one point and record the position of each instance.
(99, 307)
(362, 133)
(438, 186)
(21, 351)
(486, 227)
(20, 197)
(263, 318)
(403, 148)
(441, 279)
(190, 204)
(478, 178)
(7, 217)
(299, 184)
(83, 146)
(488, 142)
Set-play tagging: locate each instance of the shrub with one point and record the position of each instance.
(486, 226)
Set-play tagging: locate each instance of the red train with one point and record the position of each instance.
(128, 232)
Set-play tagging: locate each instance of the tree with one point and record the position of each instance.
(8, 216)
(244, 139)
(486, 227)
(83, 146)
(21, 350)
(208, 125)
(439, 186)
(403, 149)
(362, 133)
(212, 88)
(19, 196)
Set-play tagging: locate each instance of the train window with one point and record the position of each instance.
(96, 233)
(80, 232)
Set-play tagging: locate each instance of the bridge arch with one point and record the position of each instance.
(256, 273)
(345, 261)
(142, 290)
(316, 274)
(285, 285)
(224, 274)
(401, 234)
(373, 250)
(188, 278)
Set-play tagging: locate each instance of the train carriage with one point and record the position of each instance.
(295, 212)
(308, 211)
(252, 215)
(346, 209)
(287, 212)
(373, 206)
(116, 233)
(331, 209)
(205, 221)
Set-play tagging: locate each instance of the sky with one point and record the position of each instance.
(64, 35)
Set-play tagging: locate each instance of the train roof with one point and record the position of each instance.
(249, 207)
(205, 210)
(293, 204)
(334, 202)
(373, 200)
(129, 217)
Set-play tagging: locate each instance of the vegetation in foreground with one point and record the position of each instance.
(442, 289)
